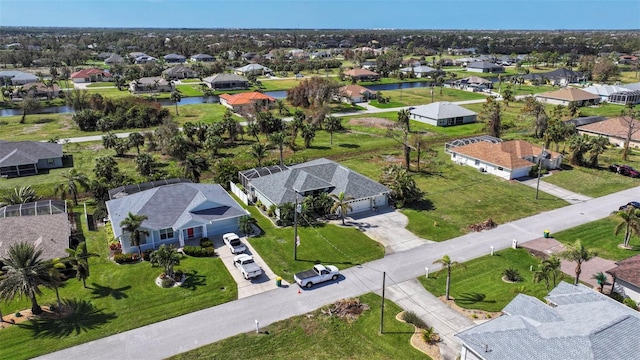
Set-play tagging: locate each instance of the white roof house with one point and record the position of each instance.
(443, 113)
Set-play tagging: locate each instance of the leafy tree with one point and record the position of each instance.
(259, 152)
(175, 97)
(630, 221)
(24, 273)
(332, 124)
(491, 115)
(145, 164)
(315, 91)
(579, 145)
(78, 99)
(578, 254)
(136, 140)
(446, 262)
(632, 125)
(109, 140)
(341, 205)
(508, 96)
(131, 225)
(79, 259)
(73, 180)
(106, 168)
(535, 109)
(226, 171)
(404, 189)
(167, 257)
(213, 143)
(269, 124)
(28, 105)
(19, 195)
(193, 166)
(246, 224)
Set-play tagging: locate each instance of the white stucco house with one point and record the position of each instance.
(443, 113)
(626, 277)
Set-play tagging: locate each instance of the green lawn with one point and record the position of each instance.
(599, 236)
(386, 105)
(479, 284)
(119, 298)
(189, 90)
(420, 96)
(320, 337)
(591, 182)
(101, 84)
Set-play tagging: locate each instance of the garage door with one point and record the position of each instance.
(360, 205)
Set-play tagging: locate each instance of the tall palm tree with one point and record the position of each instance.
(136, 140)
(404, 119)
(341, 204)
(56, 277)
(578, 254)
(259, 152)
(79, 259)
(167, 257)
(542, 274)
(131, 225)
(193, 166)
(175, 97)
(601, 278)
(552, 264)
(332, 124)
(630, 221)
(446, 262)
(278, 139)
(24, 273)
(72, 181)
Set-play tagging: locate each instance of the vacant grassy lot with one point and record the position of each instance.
(420, 96)
(101, 84)
(599, 236)
(591, 182)
(479, 284)
(118, 298)
(320, 337)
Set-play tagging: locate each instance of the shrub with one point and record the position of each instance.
(146, 255)
(429, 335)
(125, 258)
(616, 296)
(412, 318)
(206, 243)
(512, 275)
(199, 251)
(271, 212)
(177, 276)
(167, 282)
(630, 303)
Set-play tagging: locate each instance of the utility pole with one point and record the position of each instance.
(295, 228)
(384, 275)
(539, 170)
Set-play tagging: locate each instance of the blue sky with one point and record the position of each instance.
(335, 14)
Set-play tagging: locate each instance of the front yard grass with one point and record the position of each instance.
(320, 337)
(387, 105)
(479, 284)
(591, 182)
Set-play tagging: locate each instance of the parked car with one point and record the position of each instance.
(232, 241)
(298, 76)
(319, 273)
(247, 266)
(625, 170)
(634, 204)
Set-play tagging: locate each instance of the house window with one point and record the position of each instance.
(166, 234)
(453, 155)
(51, 161)
(500, 168)
(477, 162)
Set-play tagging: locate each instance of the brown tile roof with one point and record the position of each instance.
(351, 90)
(628, 270)
(569, 94)
(507, 154)
(615, 127)
(85, 73)
(245, 98)
(361, 72)
(47, 232)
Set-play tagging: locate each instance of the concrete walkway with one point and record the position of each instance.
(564, 194)
(412, 296)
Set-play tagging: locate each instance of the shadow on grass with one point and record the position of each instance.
(349, 146)
(473, 298)
(422, 205)
(314, 262)
(194, 280)
(83, 316)
(100, 291)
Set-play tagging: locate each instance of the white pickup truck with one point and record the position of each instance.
(319, 273)
(232, 241)
(247, 266)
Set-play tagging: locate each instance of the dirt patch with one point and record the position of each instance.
(12, 319)
(485, 225)
(348, 309)
(371, 121)
(32, 129)
(470, 313)
(431, 349)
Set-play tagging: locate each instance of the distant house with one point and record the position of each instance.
(150, 84)
(104, 56)
(145, 59)
(245, 102)
(354, 94)
(369, 65)
(226, 82)
(22, 158)
(443, 113)
(567, 96)
(485, 67)
(37, 90)
(174, 59)
(575, 323)
(473, 83)
(90, 75)
(177, 214)
(253, 69)
(626, 275)
(564, 77)
(362, 75)
(615, 129)
(114, 59)
(202, 58)
(24, 78)
(43, 224)
(627, 94)
(419, 71)
(179, 72)
(508, 160)
(279, 185)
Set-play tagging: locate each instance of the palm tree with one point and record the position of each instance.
(28, 105)
(578, 254)
(145, 164)
(213, 143)
(630, 221)
(193, 167)
(73, 180)
(332, 124)
(24, 273)
(341, 204)
(542, 274)
(552, 263)
(601, 279)
(282, 107)
(167, 257)
(136, 140)
(79, 259)
(308, 133)
(56, 277)
(403, 119)
(259, 152)
(446, 262)
(278, 139)
(175, 97)
(246, 224)
(131, 225)
(21, 195)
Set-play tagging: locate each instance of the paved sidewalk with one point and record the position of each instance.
(564, 194)
(412, 296)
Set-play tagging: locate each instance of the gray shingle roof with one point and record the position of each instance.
(583, 325)
(315, 175)
(47, 232)
(441, 110)
(173, 206)
(13, 153)
(224, 78)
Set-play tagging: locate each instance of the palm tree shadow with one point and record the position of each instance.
(194, 280)
(473, 298)
(83, 316)
(100, 291)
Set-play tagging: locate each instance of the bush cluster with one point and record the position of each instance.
(206, 243)
(412, 318)
(129, 112)
(199, 251)
(125, 258)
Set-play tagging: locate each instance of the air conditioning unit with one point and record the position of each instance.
(482, 170)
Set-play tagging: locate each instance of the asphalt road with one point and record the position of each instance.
(173, 336)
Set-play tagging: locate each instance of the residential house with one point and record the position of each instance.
(150, 84)
(24, 78)
(473, 83)
(627, 94)
(37, 90)
(485, 67)
(202, 58)
(443, 113)
(626, 278)
(145, 59)
(369, 65)
(244, 103)
(253, 69)
(575, 323)
(174, 59)
(508, 160)
(114, 59)
(321, 55)
(627, 59)
(7, 75)
(568, 95)
(179, 72)
(22, 158)
(604, 91)
(354, 94)
(419, 71)
(90, 75)
(44, 224)
(615, 129)
(177, 214)
(564, 77)
(362, 75)
(103, 56)
(278, 185)
(226, 82)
